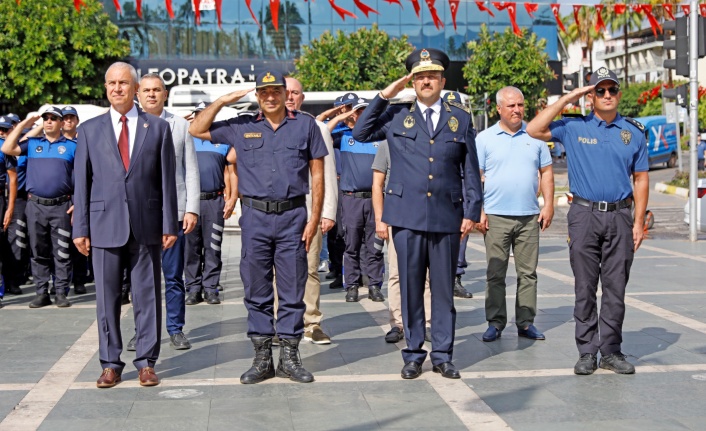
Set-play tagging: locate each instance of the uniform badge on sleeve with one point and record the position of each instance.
(409, 122)
(453, 124)
(626, 136)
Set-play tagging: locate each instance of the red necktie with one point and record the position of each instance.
(124, 143)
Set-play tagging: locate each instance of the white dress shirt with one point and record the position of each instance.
(131, 125)
(436, 107)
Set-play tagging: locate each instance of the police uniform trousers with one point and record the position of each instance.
(144, 265)
(3, 236)
(203, 248)
(393, 288)
(522, 234)
(174, 290)
(49, 228)
(417, 251)
(359, 233)
(600, 247)
(17, 257)
(462, 263)
(273, 241)
(312, 291)
(334, 241)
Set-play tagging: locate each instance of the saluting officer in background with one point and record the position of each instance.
(275, 151)
(604, 150)
(430, 143)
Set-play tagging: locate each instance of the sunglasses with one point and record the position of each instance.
(4, 129)
(51, 117)
(600, 92)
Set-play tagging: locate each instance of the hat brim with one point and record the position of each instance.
(427, 67)
(360, 105)
(606, 79)
(274, 84)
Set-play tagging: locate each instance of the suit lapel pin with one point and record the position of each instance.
(145, 125)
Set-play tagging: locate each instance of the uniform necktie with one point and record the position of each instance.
(430, 124)
(124, 143)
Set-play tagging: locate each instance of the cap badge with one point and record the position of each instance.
(451, 97)
(350, 96)
(424, 58)
(268, 78)
(603, 72)
(409, 122)
(453, 124)
(625, 135)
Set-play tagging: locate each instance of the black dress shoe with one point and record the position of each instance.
(41, 300)
(411, 370)
(131, 344)
(448, 370)
(194, 298)
(459, 290)
(375, 295)
(337, 283)
(79, 288)
(179, 341)
(212, 298)
(352, 294)
(13, 290)
(125, 297)
(395, 335)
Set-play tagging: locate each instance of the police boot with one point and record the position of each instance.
(263, 366)
(290, 364)
(352, 293)
(61, 301)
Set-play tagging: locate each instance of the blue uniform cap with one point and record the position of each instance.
(452, 96)
(338, 101)
(603, 74)
(14, 118)
(69, 110)
(270, 79)
(360, 103)
(349, 99)
(425, 59)
(5, 122)
(53, 110)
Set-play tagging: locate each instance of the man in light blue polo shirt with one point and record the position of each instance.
(515, 165)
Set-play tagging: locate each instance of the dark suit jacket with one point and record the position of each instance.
(109, 202)
(425, 191)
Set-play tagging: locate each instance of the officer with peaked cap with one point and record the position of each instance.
(604, 151)
(275, 151)
(431, 142)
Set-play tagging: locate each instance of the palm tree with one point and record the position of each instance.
(585, 33)
(628, 21)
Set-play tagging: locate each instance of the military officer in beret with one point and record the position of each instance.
(275, 150)
(604, 151)
(431, 143)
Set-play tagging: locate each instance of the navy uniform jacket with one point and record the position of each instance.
(425, 191)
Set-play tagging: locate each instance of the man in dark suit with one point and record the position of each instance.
(431, 143)
(125, 207)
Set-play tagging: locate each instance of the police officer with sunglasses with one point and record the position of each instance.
(605, 152)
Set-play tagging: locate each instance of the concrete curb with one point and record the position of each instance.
(672, 190)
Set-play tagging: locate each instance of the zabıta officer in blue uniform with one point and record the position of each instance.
(357, 215)
(50, 166)
(431, 142)
(203, 244)
(275, 150)
(604, 150)
(8, 176)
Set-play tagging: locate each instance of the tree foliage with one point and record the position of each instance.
(50, 53)
(498, 60)
(366, 59)
(585, 34)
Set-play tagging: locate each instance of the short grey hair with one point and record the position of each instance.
(499, 95)
(123, 65)
(154, 76)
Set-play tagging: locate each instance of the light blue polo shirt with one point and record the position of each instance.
(511, 164)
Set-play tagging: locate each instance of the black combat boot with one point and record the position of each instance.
(290, 364)
(263, 366)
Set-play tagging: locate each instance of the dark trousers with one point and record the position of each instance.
(4, 249)
(600, 246)
(203, 248)
(143, 263)
(17, 257)
(79, 264)
(462, 263)
(274, 241)
(359, 233)
(49, 229)
(174, 291)
(417, 251)
(335, 242)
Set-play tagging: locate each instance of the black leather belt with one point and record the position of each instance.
(49, 202)
(602, 205)
(274, 206)
(211, 195)
(362, 195)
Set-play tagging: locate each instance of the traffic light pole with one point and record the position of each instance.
(693, 115)
(580, 84)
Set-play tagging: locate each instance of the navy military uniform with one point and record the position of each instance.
(424, 204)
(49, 188)
(6, 163)
(273, 179)
(203, 244)
(357, 215)
(16, 266)
(600, 219)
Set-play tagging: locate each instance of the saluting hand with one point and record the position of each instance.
(577, 93)
(394, 89)
(235, 96)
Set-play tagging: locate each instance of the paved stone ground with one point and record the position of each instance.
(49, 364)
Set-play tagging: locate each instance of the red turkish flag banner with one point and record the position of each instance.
(197, 11)
(656, 27)
(619, 9)
(438, 23)
(482, 8)
(115, 2)
(577, 9)
(394, 2)
(274, 12)
(219, 12)
(416, 6)
(512, 13)
(531, 8)
(668, 10)
(252, 14)
(342, 12)
(170, 10)
(139, 8)
(78, 4)
(600, 25)
(702, 9)
(365, 8)
(686, 9)
(557, 17)
(453, 6)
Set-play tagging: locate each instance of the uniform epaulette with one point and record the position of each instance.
(460, 106)
(568, 115)
(249, 113)
(402, 102)
(635, 123)
(305, 113)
